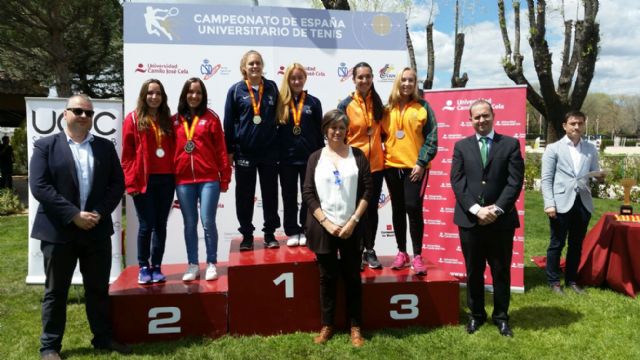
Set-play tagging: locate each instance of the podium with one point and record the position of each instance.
(273, 291)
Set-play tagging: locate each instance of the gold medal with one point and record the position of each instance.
(160, 153)
(257, 119)
(297, 130)
(296, 113)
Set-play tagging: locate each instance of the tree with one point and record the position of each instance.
(579, 57)
(72, 44)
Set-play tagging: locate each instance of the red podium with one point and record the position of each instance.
(169, 311)
(272, 291)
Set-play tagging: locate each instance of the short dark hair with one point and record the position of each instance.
(574, 113)
(332, 116)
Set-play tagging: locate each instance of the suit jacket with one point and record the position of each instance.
(499, 182)
(318, 239)
(560, 183)
(54, 183)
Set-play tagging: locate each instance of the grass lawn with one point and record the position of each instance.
(600, 325)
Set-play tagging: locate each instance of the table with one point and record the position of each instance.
(611, 255)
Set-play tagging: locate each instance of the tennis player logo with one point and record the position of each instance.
(156, 21)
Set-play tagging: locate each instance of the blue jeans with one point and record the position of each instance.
(188, 195)
(152, 209)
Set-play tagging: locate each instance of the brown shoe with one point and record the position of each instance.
(325, 334)
(356, 337)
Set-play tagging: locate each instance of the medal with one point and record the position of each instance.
(400, 124)
(399, 134)
(189, 146)
(370, 131)
(160, 153)
(158, 134)
(296, 112)
(188, 132)
(255, 104)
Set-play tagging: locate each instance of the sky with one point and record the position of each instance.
(617, 70)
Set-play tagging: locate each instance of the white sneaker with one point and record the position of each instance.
(293, 240)
(192, 273)
(212, 272)
(303, 240)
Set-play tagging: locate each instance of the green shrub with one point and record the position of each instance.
(9, 202)
(532, 169)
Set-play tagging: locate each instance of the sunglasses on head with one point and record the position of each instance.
(79, 112)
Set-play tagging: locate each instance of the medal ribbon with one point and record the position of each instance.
(362, 102)
(297, 111)
(157, 133)
(188, 132)
(400, 124)
(256, 106)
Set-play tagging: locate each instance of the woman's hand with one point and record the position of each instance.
(332, 228)
(416, 173)
(347, 229)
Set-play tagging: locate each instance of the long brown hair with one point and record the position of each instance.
(285, 93)
(142, 109)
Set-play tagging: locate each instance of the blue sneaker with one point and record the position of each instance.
(144, 275)
(157, 276)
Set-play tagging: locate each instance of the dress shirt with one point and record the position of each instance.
(83, 159)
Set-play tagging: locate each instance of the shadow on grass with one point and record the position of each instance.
(544, 317)
(534, 277)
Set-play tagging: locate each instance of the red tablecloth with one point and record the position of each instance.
(611, 255)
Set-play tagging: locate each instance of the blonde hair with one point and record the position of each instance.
(394, 96)
(285, 93)
(243, 62)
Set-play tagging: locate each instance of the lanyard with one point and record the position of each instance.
(188, 132)
(400, 124)
(362, 102)
(157, 133)
(297, 111)
(256, 106)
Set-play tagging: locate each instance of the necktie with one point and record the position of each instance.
(484, 150)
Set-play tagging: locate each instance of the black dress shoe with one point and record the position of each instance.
(115, 346)
(504, 328)
(556, 288)
(473, 325)
(577, 289)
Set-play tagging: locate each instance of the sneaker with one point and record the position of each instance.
(212, 272)
(402, 260)
(303, 240)
(417, 265)
(270, 241)
(157, 276)
(144, 275)
(369, 256)
(293, 240)
(192, 273)
(247, 243)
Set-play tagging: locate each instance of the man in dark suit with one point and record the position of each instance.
(78, 181)
(487, 173)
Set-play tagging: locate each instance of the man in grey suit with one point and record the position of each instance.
(567, 167)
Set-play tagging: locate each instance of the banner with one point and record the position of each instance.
(45, 116)
(173, 42)
(441, 242)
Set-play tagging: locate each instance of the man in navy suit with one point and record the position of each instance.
(567, 165)
(78, 181)
(487, 173)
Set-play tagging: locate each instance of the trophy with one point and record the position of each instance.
(625, 208)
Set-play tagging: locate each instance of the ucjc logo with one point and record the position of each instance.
(156, 23)
(344, 73)
(208, 70)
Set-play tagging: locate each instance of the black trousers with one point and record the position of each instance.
(289, 176)
(573, 223)
(482, 245)
(406, 201)
(372, 211)
(60, 260)
(245, 192)
(347, 266)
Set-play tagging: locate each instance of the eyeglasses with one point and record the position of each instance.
(79, 112)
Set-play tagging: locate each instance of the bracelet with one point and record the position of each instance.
(323, 220)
